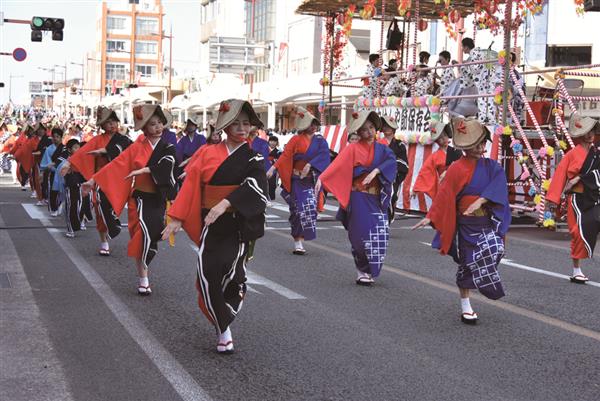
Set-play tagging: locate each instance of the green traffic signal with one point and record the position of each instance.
(37, 22)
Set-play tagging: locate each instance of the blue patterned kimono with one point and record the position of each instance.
(302, 200)
(478, 245)
(365, 217)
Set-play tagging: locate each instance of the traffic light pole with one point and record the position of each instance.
(17, 21)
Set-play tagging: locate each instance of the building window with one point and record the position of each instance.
(115, 71)
(300, 66)
(115, 46)
(260, 26)
(146, 26)
(115, 23)
(568, 55)
(146, 48)
(146, 71)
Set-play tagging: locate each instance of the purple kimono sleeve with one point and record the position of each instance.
(320, 159)
(496, 192)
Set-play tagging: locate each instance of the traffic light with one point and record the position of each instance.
(39, 24)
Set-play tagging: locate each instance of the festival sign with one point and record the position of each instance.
(413, 115)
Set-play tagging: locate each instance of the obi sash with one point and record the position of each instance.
(213, 194)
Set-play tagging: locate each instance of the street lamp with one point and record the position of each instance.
(82, 78)
(65, 87)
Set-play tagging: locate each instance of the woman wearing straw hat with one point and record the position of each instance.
(190, 142)
(389, 128)
(89, 159)
(472, 206)
(304, 157)
(578, 176)
(150, 162)
(361, 179)
(437, 163)
(221, 207)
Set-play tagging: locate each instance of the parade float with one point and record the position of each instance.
(528, 152)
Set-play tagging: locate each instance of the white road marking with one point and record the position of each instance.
(508, 262)
(272, 216)
(35, 212)
(257, 279)
(330, 208)
(183, 383)
(254, 278)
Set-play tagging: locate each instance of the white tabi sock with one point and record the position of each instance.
(298, 245)
(104, 245)
(225, 336)
(144, 282)
(577, 271)
(465, 304)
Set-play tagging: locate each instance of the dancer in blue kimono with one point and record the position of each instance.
(48, 166)
(471, 215)
(304, 157)
(260, 146)
(361, 179)
(190, 142)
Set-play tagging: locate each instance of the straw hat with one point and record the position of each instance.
(193, 121)
(143, 113)
(389, 122)
(230, 109)
(103, 114)
(438, 128)
(304, 119)
(358, 119)
(579, 126)
(468, 133)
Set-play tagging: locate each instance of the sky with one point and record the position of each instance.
(79, 38)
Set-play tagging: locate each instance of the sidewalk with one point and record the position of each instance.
(29, 367)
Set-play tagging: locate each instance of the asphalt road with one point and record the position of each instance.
(306, 331)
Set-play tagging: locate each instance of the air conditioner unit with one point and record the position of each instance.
(591, 5)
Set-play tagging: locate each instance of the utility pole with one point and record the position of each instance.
(170, 62)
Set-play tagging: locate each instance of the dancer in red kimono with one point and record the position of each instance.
(89, 159)
(304, 157)
(389, 127)
(221, 207)
(471, 215)
(578, 177)
(23, 158)
(361, 179)
(437, 163)
(149, 161)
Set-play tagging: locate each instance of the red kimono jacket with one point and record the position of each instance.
(429, 176)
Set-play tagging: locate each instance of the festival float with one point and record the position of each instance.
(528, 152)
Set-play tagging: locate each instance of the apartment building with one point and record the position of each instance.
(129, 46)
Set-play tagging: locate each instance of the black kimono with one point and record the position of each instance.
(223, 246)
